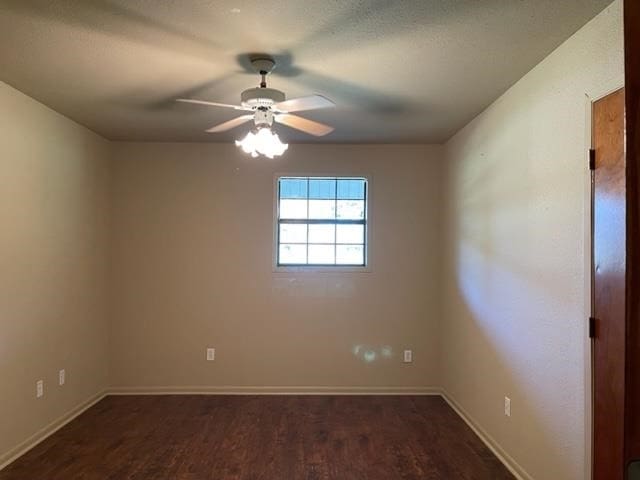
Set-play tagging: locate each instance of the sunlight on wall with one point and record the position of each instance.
(369, 354)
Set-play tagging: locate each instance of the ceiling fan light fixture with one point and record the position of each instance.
(266, 106)
(262, 141)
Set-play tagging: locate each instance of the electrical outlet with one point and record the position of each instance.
(408, 356)
(507, 406)
(61, 377)
(211, 354)
(39, 388)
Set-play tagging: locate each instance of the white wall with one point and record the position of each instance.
(515, 296)
(192, 258)
(53, 233)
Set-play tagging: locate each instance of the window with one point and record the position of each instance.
(322, 221)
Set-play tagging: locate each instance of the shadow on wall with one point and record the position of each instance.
(511, 309)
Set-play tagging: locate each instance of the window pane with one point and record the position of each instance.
(351, 189)
(322, 209)
(322, 234)
(316, 203)
(293, 233)
(351, 209)
(293, 188)
(322, 189)
(293, 209)
(350, 234)
(292, 254)
(350, 255)
(321, 254)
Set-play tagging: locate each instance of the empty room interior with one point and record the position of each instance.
(317, 240)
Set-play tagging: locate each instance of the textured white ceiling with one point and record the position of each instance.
(399, 70)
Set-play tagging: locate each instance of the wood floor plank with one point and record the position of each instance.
(251, 437)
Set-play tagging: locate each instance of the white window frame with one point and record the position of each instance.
(322, 268)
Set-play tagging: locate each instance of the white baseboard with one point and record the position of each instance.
(273, 390)
(48, 430)
(507, 460)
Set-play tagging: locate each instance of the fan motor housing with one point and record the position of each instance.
(263, 118)
(261, 97)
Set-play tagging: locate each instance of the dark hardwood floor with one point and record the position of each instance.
(195, 437)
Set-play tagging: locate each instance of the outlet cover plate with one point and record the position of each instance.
(408, 356)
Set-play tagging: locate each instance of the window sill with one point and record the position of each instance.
(320, 269)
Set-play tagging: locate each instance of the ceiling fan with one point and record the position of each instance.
(268, 105)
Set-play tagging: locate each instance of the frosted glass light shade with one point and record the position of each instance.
(263, 142)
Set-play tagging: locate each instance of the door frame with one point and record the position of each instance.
(632, 118)
(632, 301)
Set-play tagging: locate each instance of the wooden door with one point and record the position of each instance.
(609, 269)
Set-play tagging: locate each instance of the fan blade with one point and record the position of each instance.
(307, 126)
(223, 127)
(211, 104)
(312, 102)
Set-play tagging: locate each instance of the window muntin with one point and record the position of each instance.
(322, 221)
